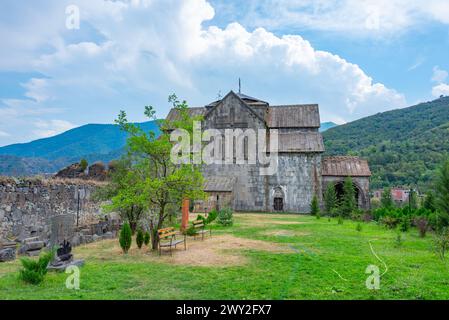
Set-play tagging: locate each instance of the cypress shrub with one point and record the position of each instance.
(140, 238)
(125, 238)
(146, 238)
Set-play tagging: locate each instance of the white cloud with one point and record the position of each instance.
(440, 90)
(4, 134)
(439, 75)
(44, 129)
(351, 17)
(36, 89)
(154, 48)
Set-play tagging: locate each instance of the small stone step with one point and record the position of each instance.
(28, 240)
(8, 244)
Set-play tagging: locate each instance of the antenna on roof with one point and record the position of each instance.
(240, 86)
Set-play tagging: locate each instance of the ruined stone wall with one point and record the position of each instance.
(26, 205)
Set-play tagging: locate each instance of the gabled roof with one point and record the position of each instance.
(294, 116)
(300, 142)
(247, 99)
(282, 116)
(210, 108)
(345, 166)
(216, 183)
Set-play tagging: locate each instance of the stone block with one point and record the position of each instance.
(8, 244)
(34, 245)
(86, 239)
(61, 268)
(7, 254)
(33, 253)
(28, 240)
(108, 235)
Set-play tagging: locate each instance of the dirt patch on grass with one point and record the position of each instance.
(267, 219)
(285, 233)
(218, 251)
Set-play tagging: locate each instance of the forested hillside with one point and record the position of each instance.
(403, 146)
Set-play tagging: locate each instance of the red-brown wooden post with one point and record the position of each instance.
(185, 214)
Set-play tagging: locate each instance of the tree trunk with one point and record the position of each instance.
(154, 229)
(133, 225)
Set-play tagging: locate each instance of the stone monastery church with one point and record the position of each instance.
(302, 171)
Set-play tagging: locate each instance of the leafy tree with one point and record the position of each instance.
(429, 202)
(158, 183)
(386, 200)
(140, 238)
(315, 207)
(83, 164)
(442, 193)
(125, 190)
(330, 198)
(125, 238)
(348, 204)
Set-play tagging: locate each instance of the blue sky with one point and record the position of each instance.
(353, 58)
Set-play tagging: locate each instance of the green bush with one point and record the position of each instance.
(84, 164)
(140, 238)
(33, 271)
(441, 242)
(404, 224)
(125, 238)
(390, 222)
(315, 206)
(211, 216)
(201, 217)
(146, 238)
(191, 231)
(358, 227)
(340, 219)
(225, 217)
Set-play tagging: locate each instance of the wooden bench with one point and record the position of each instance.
(167, 239)
(200, 228)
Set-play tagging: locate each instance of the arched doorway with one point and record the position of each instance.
(278, 199)
(339, 190)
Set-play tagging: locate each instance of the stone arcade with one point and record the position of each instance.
(302, 171)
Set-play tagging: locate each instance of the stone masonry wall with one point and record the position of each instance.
(26, 205)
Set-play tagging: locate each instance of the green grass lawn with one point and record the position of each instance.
(317, 259)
